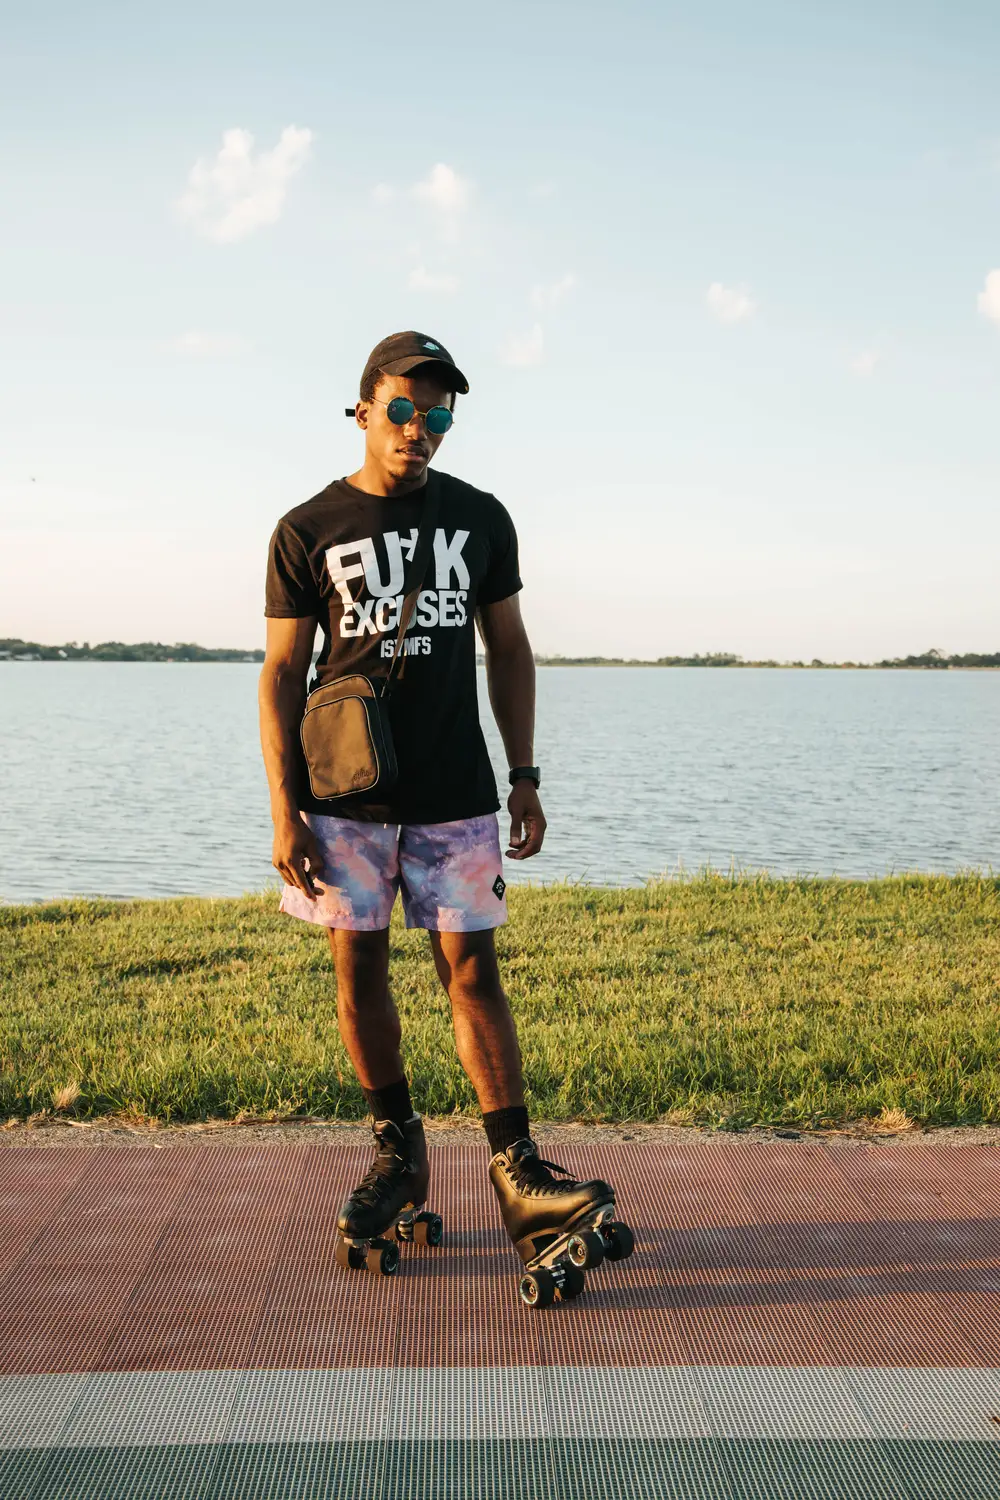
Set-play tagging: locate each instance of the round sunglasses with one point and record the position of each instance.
(401, 410)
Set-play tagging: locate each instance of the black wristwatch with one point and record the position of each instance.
(526, 773)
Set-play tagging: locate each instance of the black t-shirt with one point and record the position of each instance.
(341, 558)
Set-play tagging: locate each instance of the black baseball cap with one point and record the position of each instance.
(402, 352)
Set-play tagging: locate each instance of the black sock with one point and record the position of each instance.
(505, 1126)
(391, 1103)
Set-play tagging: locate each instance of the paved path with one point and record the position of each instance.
(797, 1321)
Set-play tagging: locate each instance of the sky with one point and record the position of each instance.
(725, 280)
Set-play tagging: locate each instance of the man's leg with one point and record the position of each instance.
(538, 1209)
(356, 889)
(368, 1021)
(370, 1030)
(485, 1035)
(355, 894)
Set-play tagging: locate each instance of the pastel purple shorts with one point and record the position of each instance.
(449, 874)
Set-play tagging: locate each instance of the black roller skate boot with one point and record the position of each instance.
(382, 1210)
(559, 1228)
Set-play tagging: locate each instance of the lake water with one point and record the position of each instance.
(146, 780)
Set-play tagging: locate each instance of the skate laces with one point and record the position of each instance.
(389, 1162)
(532, 1170)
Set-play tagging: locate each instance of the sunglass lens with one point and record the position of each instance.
(439, 419)
(400, 410)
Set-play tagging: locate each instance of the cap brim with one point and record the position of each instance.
(413, 361)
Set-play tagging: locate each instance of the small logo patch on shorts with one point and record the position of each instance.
(499, 886)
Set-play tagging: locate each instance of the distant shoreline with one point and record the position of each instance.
(780, 666)
(187, 652)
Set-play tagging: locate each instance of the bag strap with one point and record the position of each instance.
(414, 580)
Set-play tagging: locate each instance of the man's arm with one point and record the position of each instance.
(282, 697)
(510, 673)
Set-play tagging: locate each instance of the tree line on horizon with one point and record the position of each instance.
(932, 659)
(17, 650)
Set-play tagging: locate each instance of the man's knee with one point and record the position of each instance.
(361, 960)
(467, 966)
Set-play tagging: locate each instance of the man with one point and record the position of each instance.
(338, 562)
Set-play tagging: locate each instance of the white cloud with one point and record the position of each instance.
(730, 304)
(237, 192)
(525, 348)
(443, 189)
(208, 345)
(548, 296)
(989, 297)
(422, 280)
(864, 364)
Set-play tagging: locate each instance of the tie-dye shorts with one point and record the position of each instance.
(449, 874)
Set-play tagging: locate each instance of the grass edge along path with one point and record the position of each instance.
(727, 1001)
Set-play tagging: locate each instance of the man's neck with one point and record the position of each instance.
(375, 481)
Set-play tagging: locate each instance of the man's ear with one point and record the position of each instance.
(361, 414)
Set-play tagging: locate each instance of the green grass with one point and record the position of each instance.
(727, 1001)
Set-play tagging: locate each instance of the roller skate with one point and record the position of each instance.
(559, 1229)
(382, 1210)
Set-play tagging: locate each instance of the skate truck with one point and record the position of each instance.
(560, 1229)
(384, 1210)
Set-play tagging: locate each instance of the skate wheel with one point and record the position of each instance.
(538, 1288)
(428, 1229)
(573, 1282)
(586, 1249)
(619, 1242)
(351, 1257)
(382, 1257)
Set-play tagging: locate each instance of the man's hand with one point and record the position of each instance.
(527, 821)
(296, 855)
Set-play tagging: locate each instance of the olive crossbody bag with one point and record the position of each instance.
(345, 731)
